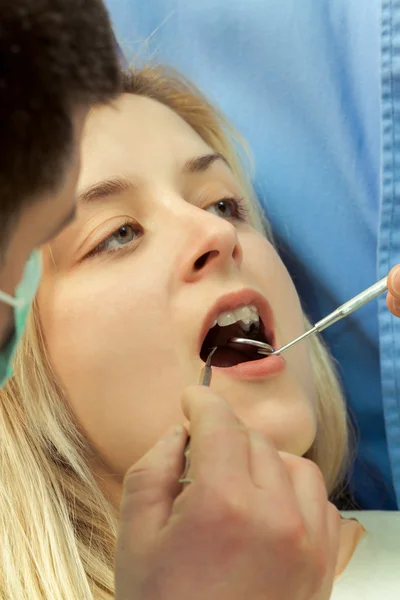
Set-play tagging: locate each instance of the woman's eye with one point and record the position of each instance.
(120, 237)
(228, 208)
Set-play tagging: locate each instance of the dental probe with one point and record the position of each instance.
(340, 313)
(206, 372)
(205, 379)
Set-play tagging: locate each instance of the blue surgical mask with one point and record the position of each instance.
(21, 303)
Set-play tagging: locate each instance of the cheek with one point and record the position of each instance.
(290, 324)
(291, 419)
(265, 266)
(80, 323)
(282, 409)
(97, 340)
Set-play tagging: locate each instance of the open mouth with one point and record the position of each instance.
(243, 321)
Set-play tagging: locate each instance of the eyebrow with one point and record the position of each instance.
(118, 185)
(202, 163)
(104, 189)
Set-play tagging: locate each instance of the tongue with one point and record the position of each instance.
(225, 356)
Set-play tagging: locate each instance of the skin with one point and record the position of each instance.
(393, 295)
(137, 311)
(253, 524)
(37, 224)
(150, 489)
(104, 309)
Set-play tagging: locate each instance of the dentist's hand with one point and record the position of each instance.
(393, 295)
(254, 523)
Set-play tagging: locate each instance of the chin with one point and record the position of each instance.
(290, 422)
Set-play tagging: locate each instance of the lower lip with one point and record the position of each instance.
(255, 369)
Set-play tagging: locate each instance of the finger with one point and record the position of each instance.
(333, 542)
(394, 282)
(266, 466)
(219, 441)
(150, 488)
(328, 550)
(393, 304)
(310, 492)
(334, 521)
(271, 478)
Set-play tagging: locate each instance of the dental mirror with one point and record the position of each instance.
(340, 313)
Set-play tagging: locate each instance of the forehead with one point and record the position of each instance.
(136, 136)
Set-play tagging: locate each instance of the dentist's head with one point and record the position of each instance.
(57, 59)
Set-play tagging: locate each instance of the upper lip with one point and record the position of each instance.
(235, 300)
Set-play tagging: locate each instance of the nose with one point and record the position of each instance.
(211, 243)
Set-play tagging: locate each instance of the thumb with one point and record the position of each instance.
(149, 491)
(393, 295)
(394, 282)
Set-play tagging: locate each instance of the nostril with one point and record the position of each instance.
(204, 259)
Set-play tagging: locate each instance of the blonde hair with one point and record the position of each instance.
(58, 531)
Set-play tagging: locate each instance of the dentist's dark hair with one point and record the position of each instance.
(55, 56)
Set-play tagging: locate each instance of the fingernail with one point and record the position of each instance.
(396, 280)
(173, 434)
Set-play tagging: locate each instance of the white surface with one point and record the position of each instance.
(373, 572)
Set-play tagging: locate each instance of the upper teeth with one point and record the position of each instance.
(245, 314)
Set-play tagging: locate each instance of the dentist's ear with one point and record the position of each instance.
(393, 296)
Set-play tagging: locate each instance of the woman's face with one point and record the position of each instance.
(161, 248)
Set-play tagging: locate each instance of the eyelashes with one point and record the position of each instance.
(121, 237)
(125, 236)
